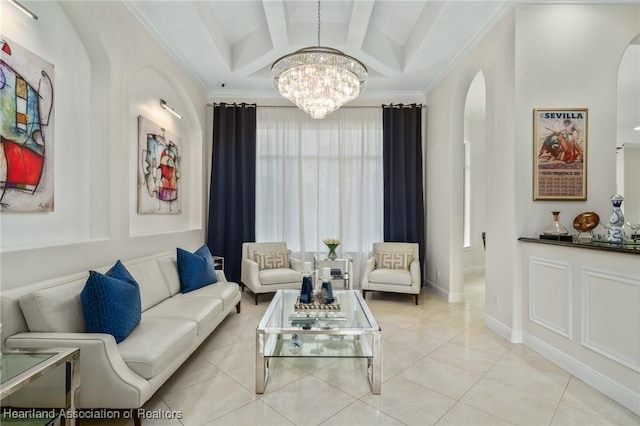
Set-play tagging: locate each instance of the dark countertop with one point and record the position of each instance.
(630, 248)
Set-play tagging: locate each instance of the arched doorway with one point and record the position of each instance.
(474, 193)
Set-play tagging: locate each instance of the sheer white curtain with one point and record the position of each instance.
(318, 179)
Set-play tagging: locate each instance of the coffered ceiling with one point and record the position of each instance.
(228, 46)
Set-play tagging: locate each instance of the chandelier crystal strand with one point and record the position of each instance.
(319, 80)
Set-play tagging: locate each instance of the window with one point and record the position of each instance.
(318, 179)
(467, 194)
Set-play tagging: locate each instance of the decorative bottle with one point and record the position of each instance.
(615, 231)
(306, 293)
(295, 344)
(327, 291)
(555, 227)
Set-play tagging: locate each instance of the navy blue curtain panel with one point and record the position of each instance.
(402, 165)
(232, 201)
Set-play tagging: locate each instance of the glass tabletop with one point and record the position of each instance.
(323, 256)
(349, 311)
(14, 364)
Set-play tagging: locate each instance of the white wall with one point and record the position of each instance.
(568, 56)
(537, 56)
(494, 56)
(108, 70)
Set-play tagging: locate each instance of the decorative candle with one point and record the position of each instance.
(326, 273)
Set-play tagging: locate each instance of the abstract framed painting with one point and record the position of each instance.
(159, 169)
(26, 130)
(560, 154)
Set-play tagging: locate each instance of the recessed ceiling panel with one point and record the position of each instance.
(396, 19)
(238, 19)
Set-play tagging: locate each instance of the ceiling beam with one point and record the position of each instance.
(360, 16)
(259, 49)
(428, 17)
(277, 22)
(382, 53)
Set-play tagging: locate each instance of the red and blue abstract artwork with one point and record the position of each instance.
(159, 177)
(26, 130)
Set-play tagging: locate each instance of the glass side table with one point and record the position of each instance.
(29, 377)
(341, 268)
(218, 262)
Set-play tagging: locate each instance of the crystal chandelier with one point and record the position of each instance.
(319, 80)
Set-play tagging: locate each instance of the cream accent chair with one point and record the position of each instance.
(258, 271)
(397, 273)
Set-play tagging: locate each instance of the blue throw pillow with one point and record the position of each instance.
(196, 270)
(111, 302)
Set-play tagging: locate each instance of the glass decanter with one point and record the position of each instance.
(555, 227)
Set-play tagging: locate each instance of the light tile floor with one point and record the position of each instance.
(441, 366)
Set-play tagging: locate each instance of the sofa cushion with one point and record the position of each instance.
(393, 260)
(153, 287)
(169, 269)
(223, 290)
(279, 276)
(272, 260)
(202, 310)
(56, 308)
(155, 343)
(390, 276)
(196, 269)
(111, 302)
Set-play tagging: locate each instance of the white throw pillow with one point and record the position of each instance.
(273, 260)
(393, 260)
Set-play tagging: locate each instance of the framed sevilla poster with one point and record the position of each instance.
(560, 154)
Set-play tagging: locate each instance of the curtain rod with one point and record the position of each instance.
(293, 106)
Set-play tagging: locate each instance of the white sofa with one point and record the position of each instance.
(125, 375)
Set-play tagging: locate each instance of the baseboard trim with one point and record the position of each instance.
(439, 290)
(500, 328)
(614, 390)
(449, 297)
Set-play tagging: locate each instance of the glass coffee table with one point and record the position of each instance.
(343, 329)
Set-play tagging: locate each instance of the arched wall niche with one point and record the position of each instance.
(77, 216)
(90, 227)
(148, 85)
(628, 139)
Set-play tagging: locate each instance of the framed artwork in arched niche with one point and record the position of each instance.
(159, 153)
(26, 130)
